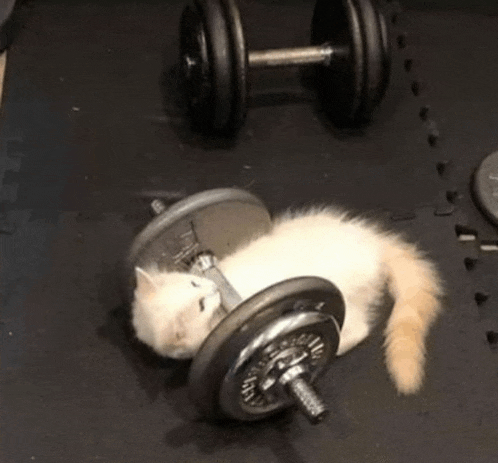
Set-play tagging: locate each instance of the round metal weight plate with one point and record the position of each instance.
(250, 389)
(215, 220)
(239, 56)
(351, 87)
(219, 353)
(485, 187)
(207, 64)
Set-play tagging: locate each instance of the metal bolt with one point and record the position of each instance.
(157, 206)
(205, 265)
(204, 262)
(308, 401)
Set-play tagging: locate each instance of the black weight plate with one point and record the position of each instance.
(223, 345)
(204, 25)
(351, 87)
(485, 187)
(376, 57)
(195, 67)
(239, 56)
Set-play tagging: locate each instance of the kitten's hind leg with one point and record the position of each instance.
(354, 330)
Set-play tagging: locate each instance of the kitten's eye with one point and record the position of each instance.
(194, 284)
(201, 305)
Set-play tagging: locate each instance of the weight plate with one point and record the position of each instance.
(250, 389)
(239, 56)
(485, 187)
(207, 64)
(377, 57)
(195, 68)
(215, 220)
(219, 352)
(351, 87)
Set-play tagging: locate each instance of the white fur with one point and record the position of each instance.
(357, 256)
(167, 313)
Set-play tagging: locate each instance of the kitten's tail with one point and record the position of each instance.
(417, 289)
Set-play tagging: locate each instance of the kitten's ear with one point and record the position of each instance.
(145, 283)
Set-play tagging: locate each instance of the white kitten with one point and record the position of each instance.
(174, 312)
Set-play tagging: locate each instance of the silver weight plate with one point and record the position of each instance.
(217, 221)
(485, 187)
(250, 390)
(227, 342)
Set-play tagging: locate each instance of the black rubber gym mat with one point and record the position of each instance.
(85, 128)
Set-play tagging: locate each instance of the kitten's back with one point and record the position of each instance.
(322, 242)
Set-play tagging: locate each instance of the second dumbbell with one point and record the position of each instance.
(349, 45)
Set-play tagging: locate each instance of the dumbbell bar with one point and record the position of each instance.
(284, 57)
(322, 54)
(349, 43)
(291, 379)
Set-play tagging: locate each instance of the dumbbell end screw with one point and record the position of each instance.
(157, 207)
(308, 401)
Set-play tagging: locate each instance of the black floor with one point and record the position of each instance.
(91, 125)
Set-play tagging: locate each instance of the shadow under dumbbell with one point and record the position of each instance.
(156, 375)
(279, 433)
(276, 433)
(279, 98)
(195, 136)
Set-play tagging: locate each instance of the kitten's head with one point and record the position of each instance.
(174, 312)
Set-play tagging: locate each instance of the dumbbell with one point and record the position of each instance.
(349, 47)
(267, 351)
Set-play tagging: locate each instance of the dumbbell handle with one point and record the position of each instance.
(205, 264)
(320, 54)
